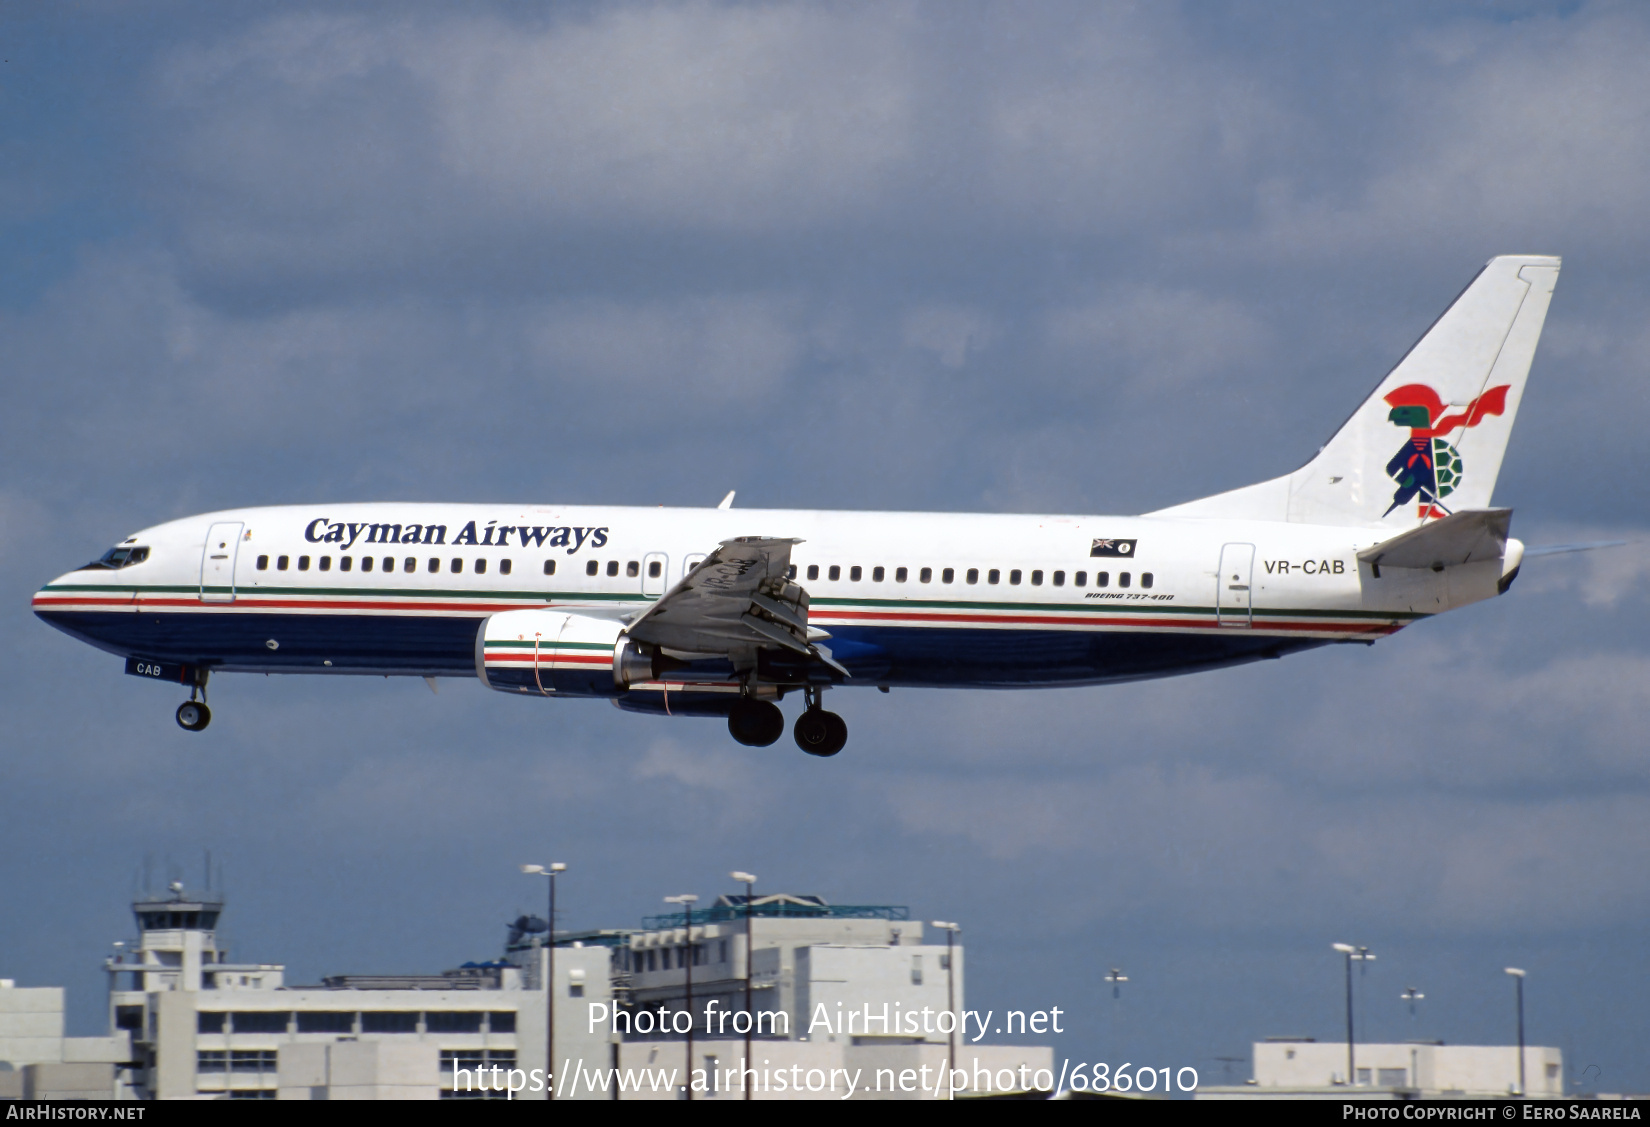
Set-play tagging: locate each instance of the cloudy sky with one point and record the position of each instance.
(1086, 257)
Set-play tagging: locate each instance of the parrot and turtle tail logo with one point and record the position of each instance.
(1427, 466)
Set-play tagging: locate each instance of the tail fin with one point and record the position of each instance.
(1430, 439)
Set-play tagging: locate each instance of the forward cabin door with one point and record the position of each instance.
(655, 571)
(1233, 605)
(218, 563)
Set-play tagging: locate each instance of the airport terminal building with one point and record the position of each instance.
(186, 1022)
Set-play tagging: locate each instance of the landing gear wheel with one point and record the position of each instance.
(193, 715)
(820, 733)
(756, 723)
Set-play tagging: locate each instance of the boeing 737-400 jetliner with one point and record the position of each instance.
(694, 612)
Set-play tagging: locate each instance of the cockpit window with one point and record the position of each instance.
(116, 558)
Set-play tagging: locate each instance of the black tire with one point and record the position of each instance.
(756, 723)
(820, 733)
(193, 715)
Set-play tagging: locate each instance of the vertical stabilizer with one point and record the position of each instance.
(1429, 441)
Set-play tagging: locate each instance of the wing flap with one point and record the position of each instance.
(739, 600)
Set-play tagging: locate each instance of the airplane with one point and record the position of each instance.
(724, 612)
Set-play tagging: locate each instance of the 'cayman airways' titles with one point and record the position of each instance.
(493, 535)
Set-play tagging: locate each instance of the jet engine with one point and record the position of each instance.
(556, 653)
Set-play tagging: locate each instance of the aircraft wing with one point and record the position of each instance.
(1469, 536)
(737, 601)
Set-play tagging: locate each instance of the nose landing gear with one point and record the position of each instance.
(819, 732)
(193, 715)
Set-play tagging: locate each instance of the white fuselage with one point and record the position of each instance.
(930, 599)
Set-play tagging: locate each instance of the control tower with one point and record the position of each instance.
(177, 950)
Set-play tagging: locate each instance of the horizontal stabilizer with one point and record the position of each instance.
(1472, 536)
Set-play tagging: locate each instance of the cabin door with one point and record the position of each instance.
(218, 563)
(655, 571)
(1233, 604)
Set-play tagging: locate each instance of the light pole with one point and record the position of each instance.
(747, 879)
(1363, 956)
(1116, 978)
(550, 871)
(687, 900)
(1518, 977)
(950, 930)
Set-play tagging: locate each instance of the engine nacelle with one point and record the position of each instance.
(552, 652)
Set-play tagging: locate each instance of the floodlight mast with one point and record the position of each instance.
(687, 900)
(748, 880)
(551, 870)
(950, 930)
(1518, 977)
(1363, 956)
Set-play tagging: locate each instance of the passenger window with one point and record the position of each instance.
(899, 574)
(481, 567)
(1059, 578)
(1145, 579)
(366, 563)
(456, 566)
(632, 569)
(344, 563)
(592, 567)
(263, 563)
(813, 571)
(549, 567)
(973, 575)
(790, 572)
(613, 567)
(855, 572)
(948, 575)
(504, 566)
(1036, 579)
(326, 563)
(303, 563)
(281, 562)
(877, 574)
(1080, 579)
(654, 568)
(835, 573)
(1101, 578)
(1122, 579)
(993, 576)
(926, 575)
(409, 565)
(389, 563)
(1014, 577)
(435, 565)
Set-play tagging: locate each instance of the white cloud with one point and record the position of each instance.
(706, 351)
(950, 332)
(736, 117)
(1166, 339)
(1091, 128)
(1515, 136)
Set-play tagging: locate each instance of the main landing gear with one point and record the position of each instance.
(756, 723)
(819, 732)
(759, 723)
(193, 715)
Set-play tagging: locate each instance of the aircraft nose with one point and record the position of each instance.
(53, 594)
